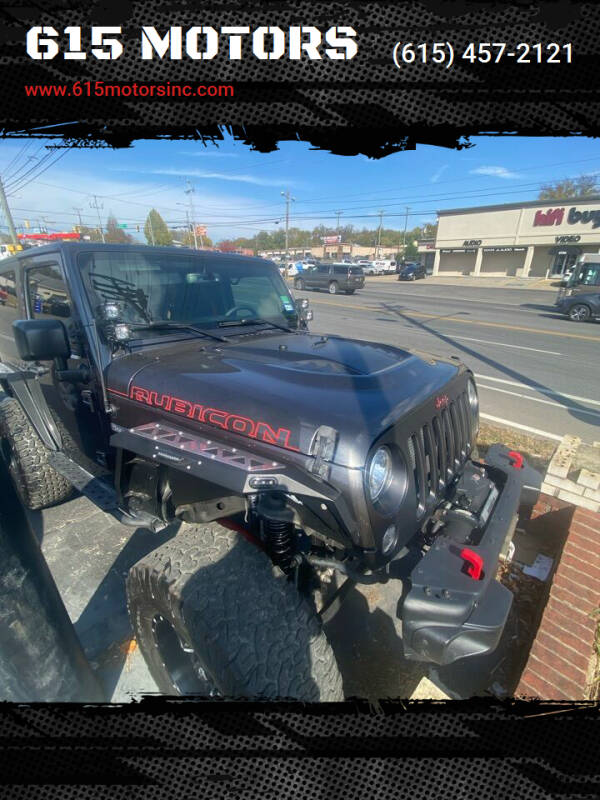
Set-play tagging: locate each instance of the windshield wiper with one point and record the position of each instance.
(253, 321)
(175, 326)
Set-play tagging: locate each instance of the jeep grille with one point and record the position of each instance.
(438, 449)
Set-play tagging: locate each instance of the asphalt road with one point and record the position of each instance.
(533, 367)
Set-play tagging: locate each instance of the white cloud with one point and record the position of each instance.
(496, 172)
(437, 175)
(256, 180)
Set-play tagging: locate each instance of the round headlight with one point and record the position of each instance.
(379, 475)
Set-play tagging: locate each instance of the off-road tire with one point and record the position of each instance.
(37, 483)
(579, 312)
(241, 628)
(299, 284)
(333, 287)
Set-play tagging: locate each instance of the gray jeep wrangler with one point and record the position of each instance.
(183, 387)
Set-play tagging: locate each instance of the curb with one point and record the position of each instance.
(573, 474)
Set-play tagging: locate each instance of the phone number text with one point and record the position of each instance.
(447, 54)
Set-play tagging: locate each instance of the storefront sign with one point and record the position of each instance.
(556, 216)
(458, 250)
(584, 217)
(567, 239)
(504, 249)
(472, 243)
(553, 216)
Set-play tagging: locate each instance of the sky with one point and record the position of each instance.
(238, 192)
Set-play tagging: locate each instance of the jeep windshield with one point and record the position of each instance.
(163, 292)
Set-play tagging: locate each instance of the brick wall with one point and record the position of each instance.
(561, 661)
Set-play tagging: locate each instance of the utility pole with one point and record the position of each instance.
(338, 215)
(8, 216)
(288, 199)
(98, 206)
(79, 210)
(379, 233)
(404, 234)
(190, 191)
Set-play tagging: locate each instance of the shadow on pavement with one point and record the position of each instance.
(574, 408)
(367, 641)
(103, 626)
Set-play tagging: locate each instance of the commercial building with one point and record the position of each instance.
(538, 239)
(339, 251)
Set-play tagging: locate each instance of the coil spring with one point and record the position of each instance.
(279, 537)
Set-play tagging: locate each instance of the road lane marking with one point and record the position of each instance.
(538, 387)
(10, 338)
(472, 300)
(420, 315)
(589, 412)
(521, 427)
(503, 344)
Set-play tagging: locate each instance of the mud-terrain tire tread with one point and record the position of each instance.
(37, 483)
(261, 638)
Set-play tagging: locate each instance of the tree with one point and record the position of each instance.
(583, 186)
(155, 229)
(114, 234)
(186, 238)
(89, 234)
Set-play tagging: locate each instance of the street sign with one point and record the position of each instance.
(122, 225)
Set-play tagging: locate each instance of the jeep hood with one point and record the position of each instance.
(280, 388)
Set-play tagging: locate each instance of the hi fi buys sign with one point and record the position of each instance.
(556, 216)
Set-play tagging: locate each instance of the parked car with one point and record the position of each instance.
(581, 307)
(368, 267)
(333, 277)
(412, 272)
(384, 266)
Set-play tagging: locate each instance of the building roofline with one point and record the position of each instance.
(526, 204)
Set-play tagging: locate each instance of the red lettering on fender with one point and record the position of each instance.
(253, 429)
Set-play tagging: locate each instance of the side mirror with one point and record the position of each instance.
(41, 339)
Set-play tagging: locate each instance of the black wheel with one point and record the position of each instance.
(579, 313)
(299, 284)
(36, 482)
(333, 287)
(212, 615)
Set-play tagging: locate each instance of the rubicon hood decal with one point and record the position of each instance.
(254, 429)
(278, 389)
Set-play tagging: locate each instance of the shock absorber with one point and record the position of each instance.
(278, 529)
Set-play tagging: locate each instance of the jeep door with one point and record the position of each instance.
(9, 309)
(77, 405)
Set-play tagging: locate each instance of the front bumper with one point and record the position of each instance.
(447, 614)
